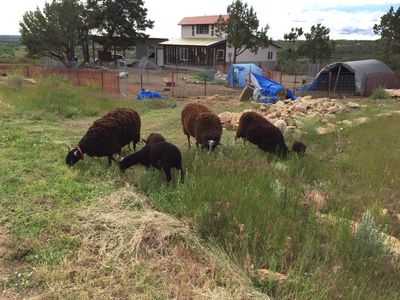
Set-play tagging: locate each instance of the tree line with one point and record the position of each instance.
(64, 25)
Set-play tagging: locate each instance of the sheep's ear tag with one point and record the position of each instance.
(76, 153)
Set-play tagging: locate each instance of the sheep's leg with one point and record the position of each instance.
(182, 175)
(109, 160)
(167, 172)
(134, 147)
(197, 144)
(188, 138)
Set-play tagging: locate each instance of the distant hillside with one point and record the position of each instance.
(354, 50)
(347, 50)
(9, 38)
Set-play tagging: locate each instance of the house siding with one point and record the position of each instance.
(208, 55)
(186, 32)
(261, 58)
(197, 55)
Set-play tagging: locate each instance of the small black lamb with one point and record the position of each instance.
(259, 131)
(161, 155)
(299, 148)
(107, 136)
(154, 138)
(201, 123)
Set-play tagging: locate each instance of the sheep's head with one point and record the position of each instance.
(130, 160)
(210, 145)
(74, 155)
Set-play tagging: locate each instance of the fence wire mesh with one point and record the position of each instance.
(187, 83)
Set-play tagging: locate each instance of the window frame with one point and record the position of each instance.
(200, 29)
(220, 58)
(183, 54)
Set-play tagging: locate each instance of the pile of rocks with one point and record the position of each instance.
(394, 93)
(287, 115)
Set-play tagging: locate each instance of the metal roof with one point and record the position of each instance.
(193, 42)
(201, 20)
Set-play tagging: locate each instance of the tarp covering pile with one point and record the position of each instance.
(238, 74)
(360, 77)
(144, 94)
(269, 91)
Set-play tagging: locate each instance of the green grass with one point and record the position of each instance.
(379, 93)
(238, 198)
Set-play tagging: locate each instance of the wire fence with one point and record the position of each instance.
(177, 83)
(188, 83)
(107, 80)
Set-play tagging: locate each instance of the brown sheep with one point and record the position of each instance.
(201, 123)
(108, 135)
(161, 155)
(259, 131)
(154, 138)
(247, 119)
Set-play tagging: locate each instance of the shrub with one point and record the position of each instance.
(379, 93)
(15, 79)
(201, 76)
(368, 238)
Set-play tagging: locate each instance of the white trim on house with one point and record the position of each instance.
(193, 42)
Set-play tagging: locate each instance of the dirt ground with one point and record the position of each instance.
(156, 80)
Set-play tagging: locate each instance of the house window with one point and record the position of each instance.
(202, 29)
(193, 30)
(270, 55)
(183, 54)
(212, 30)
(220, 54)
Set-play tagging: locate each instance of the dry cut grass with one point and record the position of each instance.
(140, 253)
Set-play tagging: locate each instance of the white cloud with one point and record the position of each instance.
(280, 15)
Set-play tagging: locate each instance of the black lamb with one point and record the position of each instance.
(201, 123)
(259, 131)
(107, 136)
(154, 138)
(161, 155)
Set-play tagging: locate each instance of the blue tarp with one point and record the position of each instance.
(239, 73)
(143, 94)
(308, 87)
(267, 90)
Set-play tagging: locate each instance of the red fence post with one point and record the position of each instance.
(172, 85)
(102, 81)
(118, 83)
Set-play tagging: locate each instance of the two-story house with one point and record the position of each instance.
(199, 46)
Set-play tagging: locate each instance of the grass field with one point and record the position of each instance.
(72, 232)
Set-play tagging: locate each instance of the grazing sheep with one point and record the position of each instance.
(259, 131)
(154, 138)
(161, 155)
(201, 123)
(247, 119)
(107, 136)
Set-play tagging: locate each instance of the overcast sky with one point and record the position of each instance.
(347, 19)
